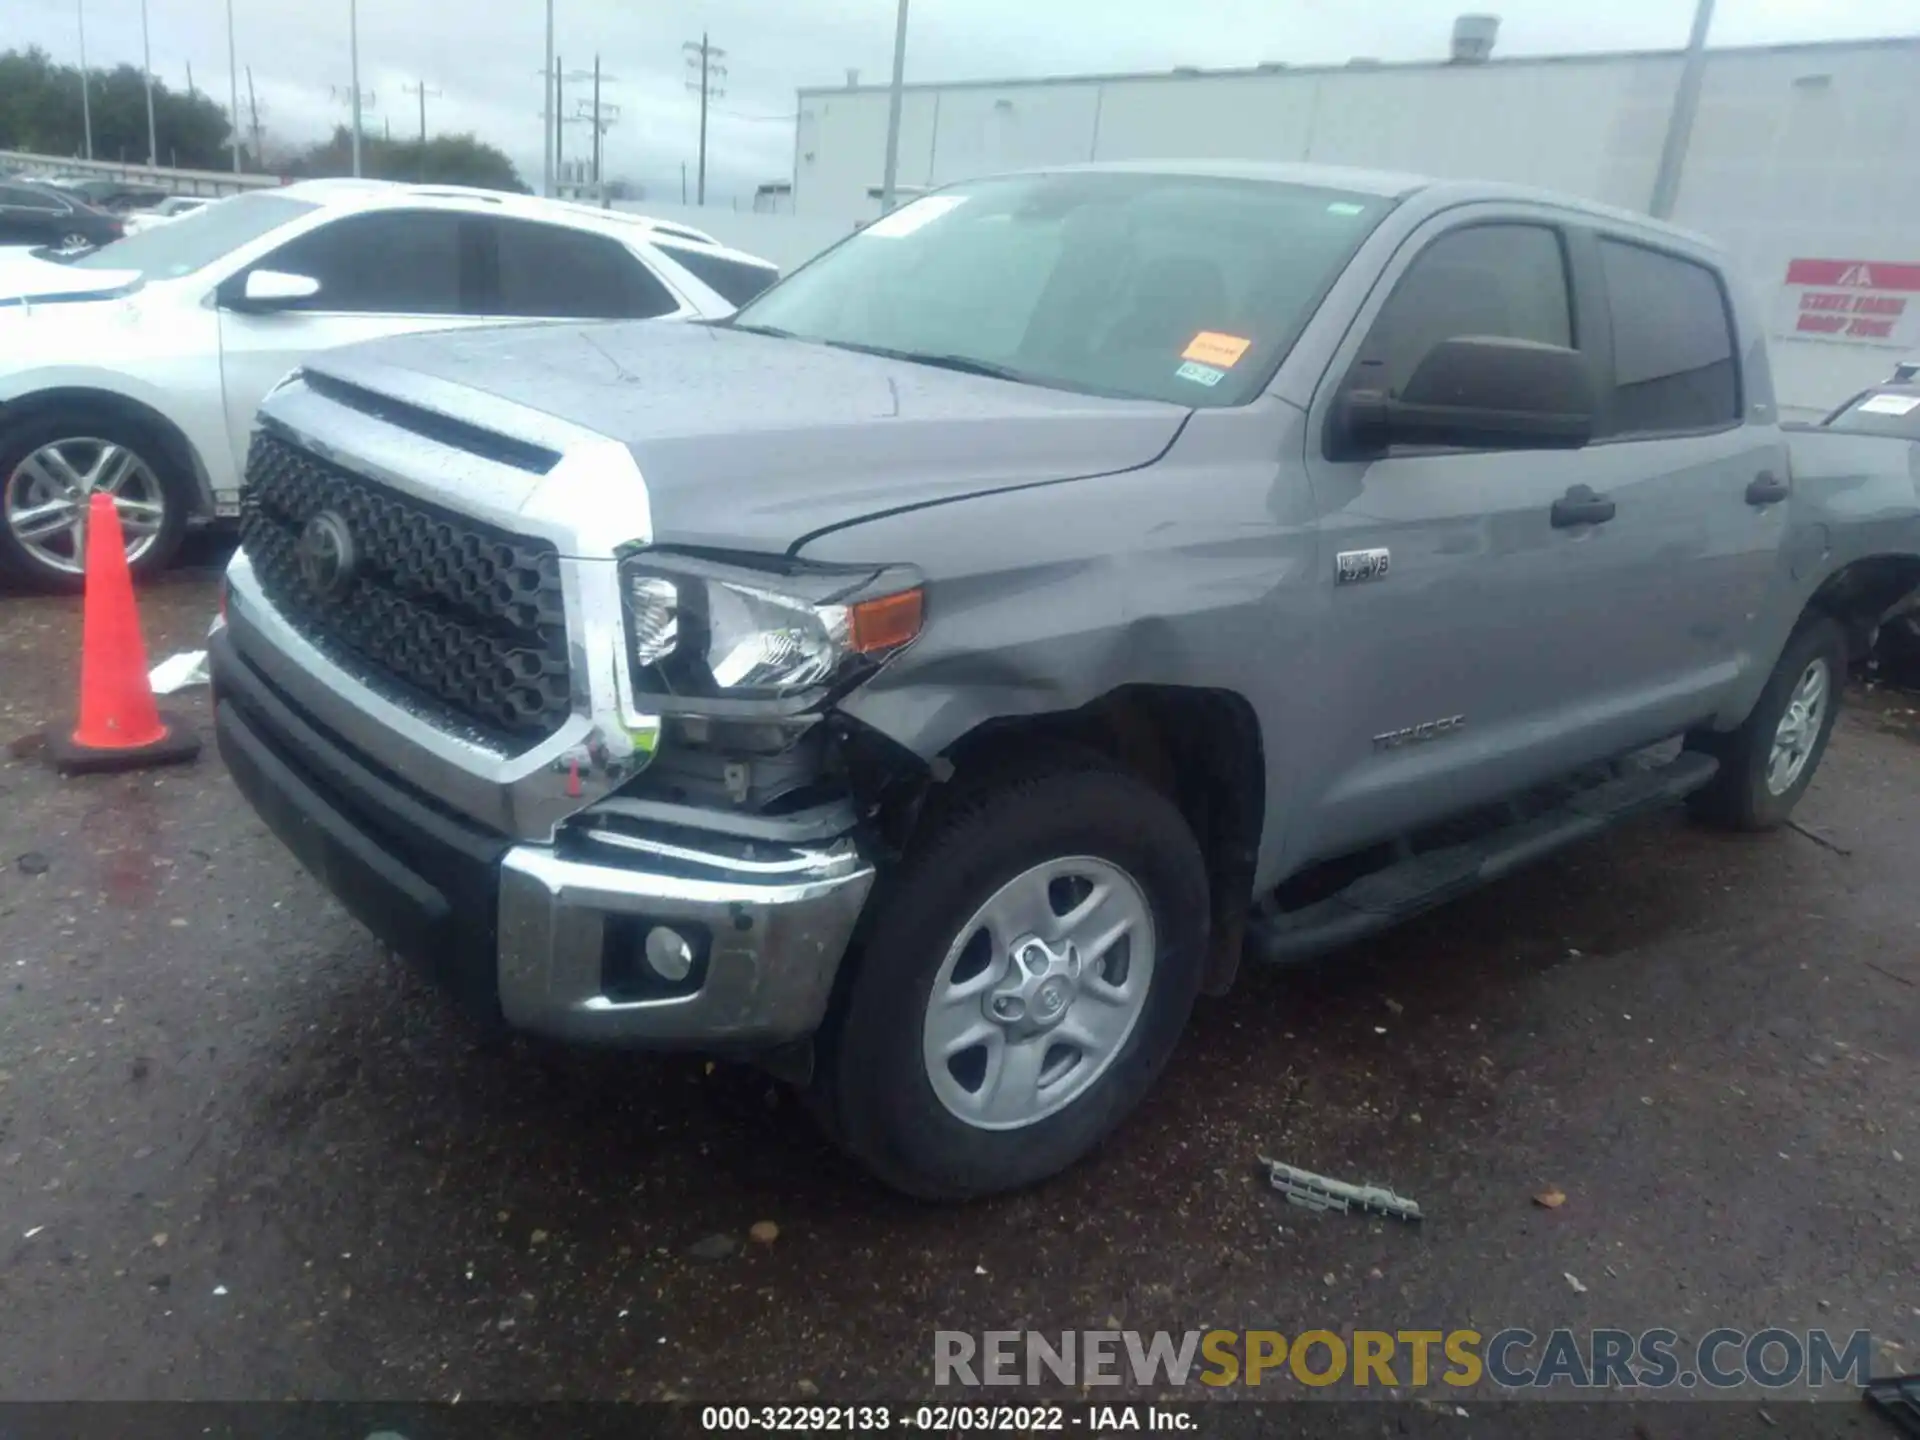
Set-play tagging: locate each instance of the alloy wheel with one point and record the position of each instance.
(48, 492)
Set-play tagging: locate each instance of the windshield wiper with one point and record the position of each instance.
(774, 330)
(965, 364)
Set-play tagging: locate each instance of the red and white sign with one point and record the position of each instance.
(1858, 302)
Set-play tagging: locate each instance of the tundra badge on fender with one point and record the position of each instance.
(1351, 567)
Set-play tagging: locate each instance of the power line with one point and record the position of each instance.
(705, 57)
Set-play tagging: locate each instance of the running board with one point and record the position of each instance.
(1400, 891)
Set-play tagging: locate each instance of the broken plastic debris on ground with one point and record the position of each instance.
(180, 671)
(1319, 1192)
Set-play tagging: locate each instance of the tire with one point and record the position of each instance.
(1112, 849)
(85, 437)
(1748, 793)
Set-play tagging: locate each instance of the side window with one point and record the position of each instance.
(560, 273)
(1503, 280)
(388, 262)
(734, 281)
(1672, 343)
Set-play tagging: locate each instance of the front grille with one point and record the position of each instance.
(441, 612)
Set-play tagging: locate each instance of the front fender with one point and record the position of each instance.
(190, 404)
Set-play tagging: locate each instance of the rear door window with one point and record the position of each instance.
(1673, 349)
(555, 272)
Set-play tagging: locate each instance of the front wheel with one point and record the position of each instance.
(1023, 983)
(52, 466)
(1767, 764)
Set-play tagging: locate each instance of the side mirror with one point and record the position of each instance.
(276, 290)
(1479, 392)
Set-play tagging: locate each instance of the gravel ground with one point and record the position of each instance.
(244, 1154)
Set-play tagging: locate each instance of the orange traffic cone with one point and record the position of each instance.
(120, 727)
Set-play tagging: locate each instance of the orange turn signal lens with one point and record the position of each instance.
(886, 623)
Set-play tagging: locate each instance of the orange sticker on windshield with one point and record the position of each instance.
(1210, 347)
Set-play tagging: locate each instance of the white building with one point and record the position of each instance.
(1799, 152)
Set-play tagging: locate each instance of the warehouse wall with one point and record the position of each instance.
(1799, 151)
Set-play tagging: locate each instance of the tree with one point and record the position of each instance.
(443, 160)
(40, 112)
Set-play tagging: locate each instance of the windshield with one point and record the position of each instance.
(196, 239)
(1166, 287)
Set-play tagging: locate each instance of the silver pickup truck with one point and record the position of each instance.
(928, 681)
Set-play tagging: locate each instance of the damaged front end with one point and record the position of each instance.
(753, 823)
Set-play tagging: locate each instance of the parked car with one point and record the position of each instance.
(116, 196)
(45, 217)
(171, 208)
(138, 367)
(931, 679)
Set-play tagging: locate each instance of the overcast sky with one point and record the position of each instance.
(486, 65)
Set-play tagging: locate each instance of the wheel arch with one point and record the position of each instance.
(1201, 747)
(1861, 593)
(176, 448)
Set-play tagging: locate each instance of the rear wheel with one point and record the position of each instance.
(51, 467)
(1024, 981)
(1767, 764)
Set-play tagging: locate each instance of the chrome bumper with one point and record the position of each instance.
(769, 946)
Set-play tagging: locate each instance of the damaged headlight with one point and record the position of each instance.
(702, 628)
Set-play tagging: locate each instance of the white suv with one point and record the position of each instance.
(136, 368)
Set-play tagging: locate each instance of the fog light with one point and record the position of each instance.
(669, 955)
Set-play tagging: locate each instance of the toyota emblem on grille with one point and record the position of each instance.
(327, 556)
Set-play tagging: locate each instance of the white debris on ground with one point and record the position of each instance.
(179, 672)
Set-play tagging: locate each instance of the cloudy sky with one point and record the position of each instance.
(485, 59)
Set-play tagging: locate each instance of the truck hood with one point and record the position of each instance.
(756, 443)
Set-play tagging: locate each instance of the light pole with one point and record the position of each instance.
(1686, 104)
(233, 81)
(894, 97)
(86, 101)
(146, 66)
(353, 59)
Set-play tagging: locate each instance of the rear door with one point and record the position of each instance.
(382, 272)
(1478, 639)
(28, 217)
(1710, 465)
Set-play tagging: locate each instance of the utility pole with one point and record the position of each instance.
(1686, 105)
(422, 92)
(559, 171)
(86, 100)
(191, 92)
(146, 72)
(597, 113)
(253, 114)
(894, 96)
(550, 112)
(353, 51)
(705, 58)
(598, 131)
(233, 88)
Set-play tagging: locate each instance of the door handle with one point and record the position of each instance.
(1581, 506)
(1767, 489)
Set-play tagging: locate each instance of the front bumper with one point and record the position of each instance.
(552, 938)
